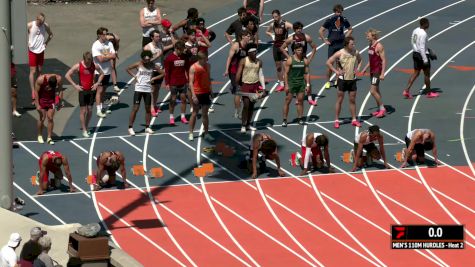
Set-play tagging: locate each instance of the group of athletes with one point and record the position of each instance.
(180, 61)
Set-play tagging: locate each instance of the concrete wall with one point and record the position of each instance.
(11, 222)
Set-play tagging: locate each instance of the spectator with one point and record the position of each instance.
(31, 249)
(44, 260)
(8, 257)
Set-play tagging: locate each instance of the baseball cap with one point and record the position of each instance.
(36, 231)
(166, 23)
(15, 239)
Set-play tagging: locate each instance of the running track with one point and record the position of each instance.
(337, 219)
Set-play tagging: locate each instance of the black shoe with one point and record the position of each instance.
(301, 121)
(284, 123)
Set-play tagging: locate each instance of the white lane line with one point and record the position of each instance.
(346, 173)
(39, 204)
(142, 235)
(182, 219)
(64, 177)
(462, 125)
(302, 181)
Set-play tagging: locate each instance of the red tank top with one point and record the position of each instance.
(51, 155)
(86, 76)
(375, 61)
(240, 54)
(45, 94)
(12, 69)
(201, 82)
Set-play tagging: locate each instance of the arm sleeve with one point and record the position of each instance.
(308, 151)
(231, 29)
(262, 80)
(346, 23)
(422, 45)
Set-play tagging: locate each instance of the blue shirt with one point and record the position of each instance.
(336, 26)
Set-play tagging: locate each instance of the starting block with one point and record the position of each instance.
(34, 181)
(208, 149)
(156, 172)
(138, 170)
(224, 150)
(399, 156)
(208, 167)
(91, 180)
(347, 157)
(199, 172)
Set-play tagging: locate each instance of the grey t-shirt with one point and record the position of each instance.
(43, 260)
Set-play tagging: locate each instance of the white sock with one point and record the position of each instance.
(171, 116)
(98, 107)
(182, 115)
(381, 107)
(309, 98)
(281, 83)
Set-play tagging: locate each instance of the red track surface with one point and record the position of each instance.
(313, 237)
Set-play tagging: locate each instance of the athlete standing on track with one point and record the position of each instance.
(267, 146)
(49, 92)
(236, 53)
(377, 67)
(237, 27)
(335, 25)
(421, 58)
(14, 86)
(200, 93)
(297, 82)
(176, 79)
(108, 163)
(51, 161)
(156, 47)
(349, 63)
(143, 88)
(37, 43)
(417, 142)
(251, 75)
(103, 53)
(365, 140)
(150, 18)
(303, 39)
(86, 87)
(278, 30)
(255, 8)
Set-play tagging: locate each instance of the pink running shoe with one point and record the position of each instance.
(432, 95)
(279, 88)
(356, 123)
(184, 120)
(406, 94)
(172, 121)
(312, 102)
(336, 125)
(381, 113)
(157, 109)
(154, 113)
(375, 113)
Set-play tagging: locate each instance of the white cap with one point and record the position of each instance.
(15, 239)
